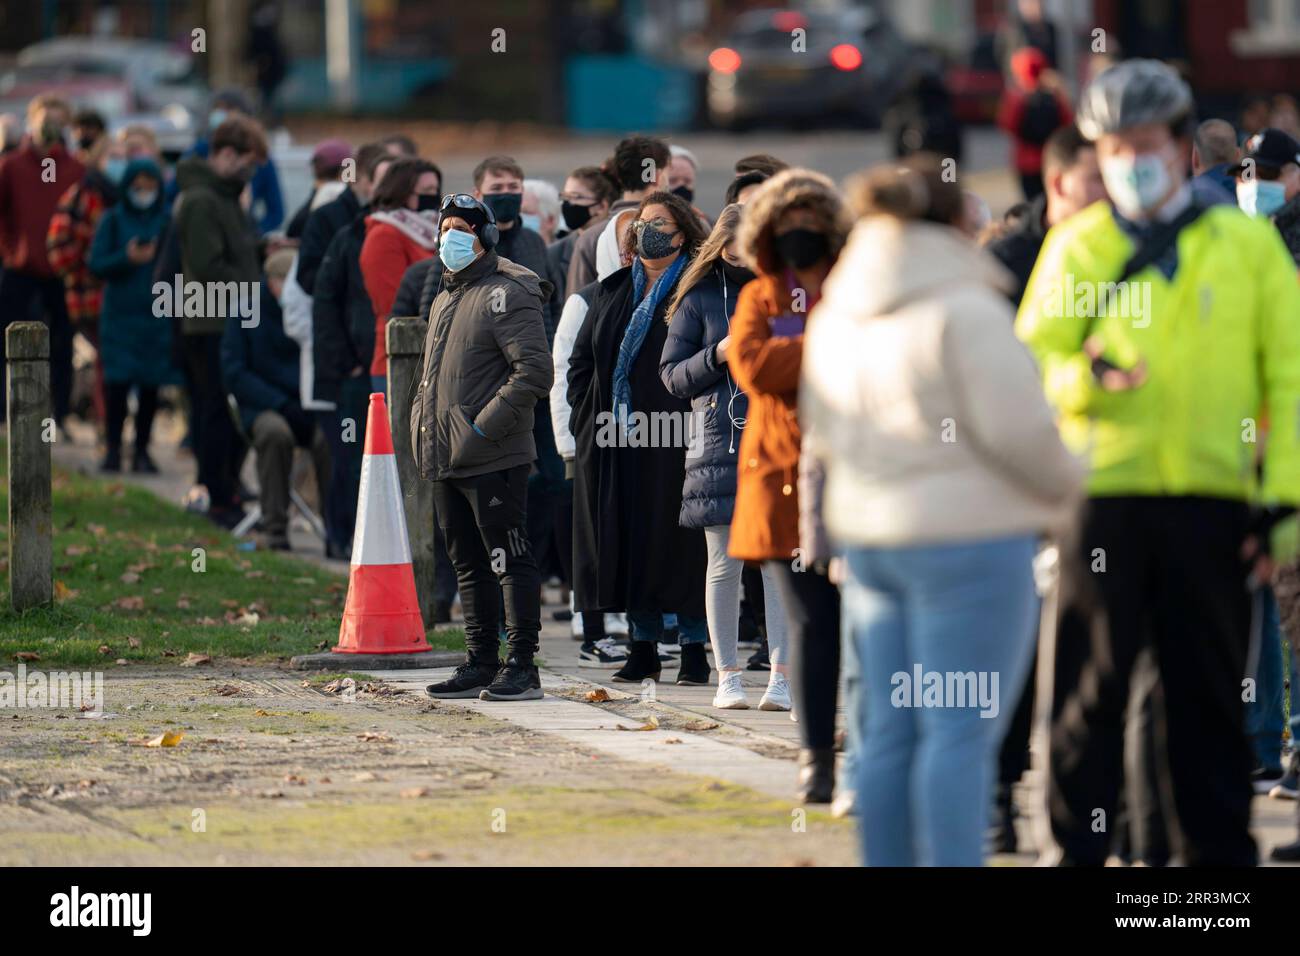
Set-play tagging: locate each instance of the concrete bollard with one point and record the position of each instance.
(31, 525)
(404, 338)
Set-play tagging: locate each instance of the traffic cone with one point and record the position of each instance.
(382, 614)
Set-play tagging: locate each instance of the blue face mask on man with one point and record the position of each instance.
(114, 169)
(456, 249)
(1259, 197)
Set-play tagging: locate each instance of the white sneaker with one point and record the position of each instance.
(777, 696)
(845, 804)
(615, 623)
(731, 692)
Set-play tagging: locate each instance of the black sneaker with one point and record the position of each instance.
(1264, 779)
(467, 680)
(112, 462)
(759, 661)
(142, 464)
(694, 668)
(1288, 787)
(516, 680)
(603, 653)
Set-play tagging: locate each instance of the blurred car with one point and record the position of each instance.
(976, 83)
(126, 80)
(850, 67)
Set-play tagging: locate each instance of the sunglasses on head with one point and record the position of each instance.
(460, 200)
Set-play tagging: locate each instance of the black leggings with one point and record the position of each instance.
(812, 610)
(147, 404)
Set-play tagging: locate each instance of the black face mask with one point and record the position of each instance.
(86, 142)
(801, 248)
(427, 203)
(686, 192)
(736, 275)
(505, 206)
(575, 216)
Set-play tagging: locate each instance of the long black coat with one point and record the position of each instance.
(629, 552)
(690, 369)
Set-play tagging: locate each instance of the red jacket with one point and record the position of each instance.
(30, 189)
(68, 246)
(1028, 157)
(385, 255)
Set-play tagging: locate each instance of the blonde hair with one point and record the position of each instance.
(279, 263)
(139, 131)
(724, 233)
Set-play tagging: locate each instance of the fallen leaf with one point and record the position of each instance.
(182, 604)
(130, 577)
(652, 723)
(105, 649)
(427, 855)
(76, 550)
(598, 695)
(62, 592)
(98, 530)
(27, 656)
(372, 735)
(228, 690)
(702, 725)
(364, 776)
(413, 793)
(254, 574)
(167, 739)
(673, 740)
(294, 779)
(133, 642)
(194, 660)
(132, 603)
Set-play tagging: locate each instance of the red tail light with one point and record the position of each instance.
(787, 20)
(724, 60)
(846, 57)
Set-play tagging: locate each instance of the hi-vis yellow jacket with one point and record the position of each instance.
(1221, 344)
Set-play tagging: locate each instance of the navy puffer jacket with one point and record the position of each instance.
(690, 370)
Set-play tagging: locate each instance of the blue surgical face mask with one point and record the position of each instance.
(216, 118)
(531, 221)
(456, 249)
(1137, 184)
(1259, 197)
(115, 168)
(143, 198)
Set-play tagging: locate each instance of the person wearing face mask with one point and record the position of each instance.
(694, 368)
(218, 244)
(1268, 183)
(791, 234)
(263, 180)
(399, 231)
(1152, 387)
(540, 210)
(73, 227)
(485, 367)
(588, 192)
(134, 344)
(681, 175)
(29, 198)
(627, 493)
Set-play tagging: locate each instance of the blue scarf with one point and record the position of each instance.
(634, 335)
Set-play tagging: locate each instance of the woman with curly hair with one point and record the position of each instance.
(791, 233)
(630, 553)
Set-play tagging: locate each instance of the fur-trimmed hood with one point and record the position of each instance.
(789, 189)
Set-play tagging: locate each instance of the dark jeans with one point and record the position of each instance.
(483, 520)
(593, 622)
(215, 444)
(1174, 582)
(29, 298)
(812, 609)
(146, 405)
(347, 421)
(546, 486)
(1031, 184)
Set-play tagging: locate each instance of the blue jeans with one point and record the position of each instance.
(944, 636)
(649, 626)
(1264, 717)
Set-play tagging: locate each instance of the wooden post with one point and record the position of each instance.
(404, 338)
(31, 429)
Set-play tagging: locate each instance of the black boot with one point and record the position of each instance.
(816, 775)
(642, 663)
(142, 464)
(1004, 823)
(694, 666)
(112, 462)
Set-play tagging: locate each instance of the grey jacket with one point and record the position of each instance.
(486, 365)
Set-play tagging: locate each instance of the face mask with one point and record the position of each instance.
(115, 168)
(801, 248)
(216, 118)
(505, 206)
(51, 133)
(1261, 198)
(531, 221)
(686, 192)
(575, 216)
(144, 198)
(427, 203)
(736, 275)
(456, 249)
(1136, 184)
(87, 141)
(653, 244)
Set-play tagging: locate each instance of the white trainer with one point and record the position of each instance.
(731, 692)
(777, 695)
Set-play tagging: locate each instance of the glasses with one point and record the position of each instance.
(460, 200)
(657, 223)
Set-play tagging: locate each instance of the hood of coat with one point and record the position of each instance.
(134, 168)
(888, 263)
(195, 171)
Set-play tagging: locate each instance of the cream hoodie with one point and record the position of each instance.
(926, 410)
